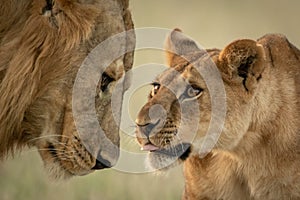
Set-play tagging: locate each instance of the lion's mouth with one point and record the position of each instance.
(180, 151)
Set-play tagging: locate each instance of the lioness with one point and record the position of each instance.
(43, 43)
(257, 155)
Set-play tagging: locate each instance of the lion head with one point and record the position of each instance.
(177, 118)
(43, 44)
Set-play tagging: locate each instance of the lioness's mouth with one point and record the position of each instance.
(181, 151)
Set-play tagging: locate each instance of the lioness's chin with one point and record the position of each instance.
(165, 159)
(158, 161)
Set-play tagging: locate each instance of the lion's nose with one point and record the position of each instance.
(101, 163)
(107, 155)
(106, 159)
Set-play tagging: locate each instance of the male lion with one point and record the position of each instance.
(257, 155)
(42, 45)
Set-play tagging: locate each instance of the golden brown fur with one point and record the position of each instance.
(42, 44)
(257, 154)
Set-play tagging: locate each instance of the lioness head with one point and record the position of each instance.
(42, 46)
(166, 124)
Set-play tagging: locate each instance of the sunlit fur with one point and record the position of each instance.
(42, 44)
(257, 154)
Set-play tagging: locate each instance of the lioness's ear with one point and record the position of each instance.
(177, 44)
(243, 61)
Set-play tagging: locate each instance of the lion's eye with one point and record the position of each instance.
(193, 91)
(105, 81)
(155, 88)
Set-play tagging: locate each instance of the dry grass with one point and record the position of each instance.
(23, 178)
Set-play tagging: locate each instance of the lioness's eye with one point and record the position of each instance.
(155, 88)
(193, 91)
(105, 81)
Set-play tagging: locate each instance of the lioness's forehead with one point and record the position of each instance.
(188, 67)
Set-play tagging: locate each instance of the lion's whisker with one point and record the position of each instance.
(47, 136)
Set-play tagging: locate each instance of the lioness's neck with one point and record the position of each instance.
(273, 132)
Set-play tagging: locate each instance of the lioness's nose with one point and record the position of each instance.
(150, 119)
(141, 122)
(150, 114)
(148, 128)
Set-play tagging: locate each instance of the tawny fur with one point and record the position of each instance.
(257, 154)
(41, 49)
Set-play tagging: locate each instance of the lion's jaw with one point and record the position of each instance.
(77, 143)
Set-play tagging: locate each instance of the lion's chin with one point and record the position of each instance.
(57, 173)
(164, 159)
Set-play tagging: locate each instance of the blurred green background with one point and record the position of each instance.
(212, 24)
